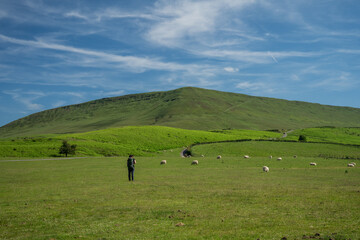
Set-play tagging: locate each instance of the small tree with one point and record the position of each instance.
(66, 148)
(302, 138)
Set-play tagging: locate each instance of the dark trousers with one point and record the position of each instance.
(131, 173)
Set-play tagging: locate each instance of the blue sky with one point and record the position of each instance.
(57, 53)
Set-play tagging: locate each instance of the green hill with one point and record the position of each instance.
(186, 108)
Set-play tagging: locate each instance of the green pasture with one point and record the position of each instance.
(278, 149)
(230, 198)
(328, 134)
(142, 140)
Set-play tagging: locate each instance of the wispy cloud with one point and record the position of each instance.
(76, 14)
(339, 82)
(231, 69)
(59, 104)
(184, 19)
(349, 51)
(27, 98)
(258, 87)
(114, 93)
(108, 14)
(132, 62)
(254, 56)
(117, 13)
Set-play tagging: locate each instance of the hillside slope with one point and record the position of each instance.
(187, 108)
(138, 140)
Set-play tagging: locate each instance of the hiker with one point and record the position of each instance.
(131, 167)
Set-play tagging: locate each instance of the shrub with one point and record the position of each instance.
(302, 138)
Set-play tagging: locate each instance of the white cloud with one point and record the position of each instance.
(29, 97)
(180, 20)
(231, 69)
(59, 104)
(349, 51)
(184, 19)
(342, 81)
(259, 87)
(74, 94)
(113, 13)
(108, 14)
(76, 14)
(129, 62)
(114, 93)
(295, 78)
(254, 56)
(26, 98)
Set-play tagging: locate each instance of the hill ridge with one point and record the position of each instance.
(187, 108)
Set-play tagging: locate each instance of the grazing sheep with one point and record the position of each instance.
(218, 157)
(353, 163)
(350, 165)
(312, 164)
(202, 155)
(163, 162)
(265, 168)
(246, 156)
(180, 224)
(279, 158)
(195, 162)
(270, 157)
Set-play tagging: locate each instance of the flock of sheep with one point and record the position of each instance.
(265, 168)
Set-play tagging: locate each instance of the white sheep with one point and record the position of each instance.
(246, 156)
(202, 155)
(265, 168)
(350, 165)
(270, 157)
(218, 157)
(195, 162)
(163, 162)
(353, 163)
(312, 164)
(279, 158)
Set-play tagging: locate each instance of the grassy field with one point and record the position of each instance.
(144, 140)
(328, 134)
(230, 198)
(278, 149)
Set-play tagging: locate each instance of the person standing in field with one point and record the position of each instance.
(131, 167)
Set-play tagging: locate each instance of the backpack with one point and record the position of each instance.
(130, 163)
